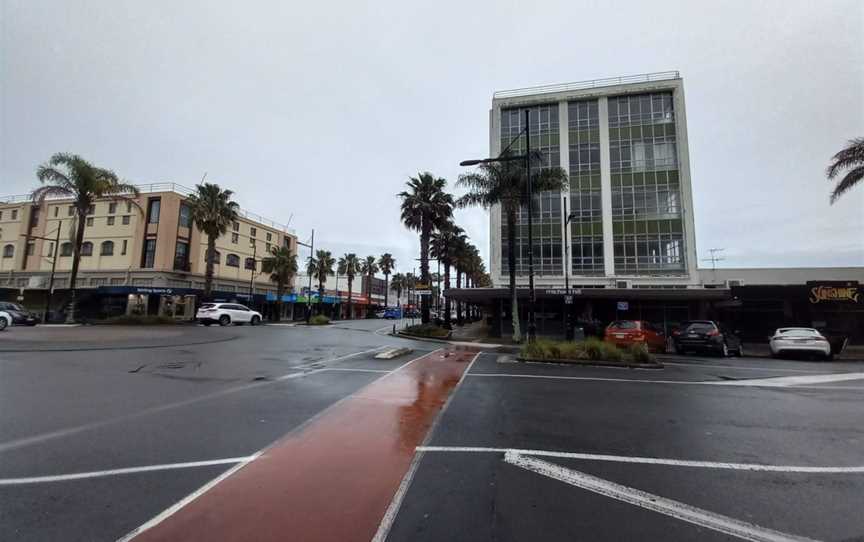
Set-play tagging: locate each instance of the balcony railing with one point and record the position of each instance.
(582, 85)
(151, 188)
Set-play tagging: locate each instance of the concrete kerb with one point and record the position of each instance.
(592, 363)
(87, 348)
(464, 345)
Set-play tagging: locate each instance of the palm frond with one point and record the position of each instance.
(851, 156)
(852, 178)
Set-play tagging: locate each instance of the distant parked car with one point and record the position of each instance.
(5, 320)
(800, 340)
(20, 315)
(392, 313)
(629, 332)
(706, 336)
(227, 313)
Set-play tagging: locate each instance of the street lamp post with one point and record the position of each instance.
(53, 267)
(254, 264)
(568, 327)
(311, 247)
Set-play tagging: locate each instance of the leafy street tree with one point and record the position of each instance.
(369, 267)
(349, 266)
(441, 246)
(425, 208)
(70, 176)
(320, 267)
(386, 263)
(281, 264)
(850, 159)
(506, 184)
(213, 212)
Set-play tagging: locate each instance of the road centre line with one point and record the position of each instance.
(36, 439)
(170, 511)
(352, 370)
(776, 382)
(648, 460)
(127, 470)
(653, 502)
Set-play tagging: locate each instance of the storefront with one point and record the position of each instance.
(177, 303)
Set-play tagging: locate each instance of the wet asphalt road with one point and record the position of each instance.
(92, 410)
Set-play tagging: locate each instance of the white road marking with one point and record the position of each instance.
(648, 460)
(392, 510)
(650, 501)
(349, 370)
(165, 514)
(36, 439)
(776, 382)
(740, 368)
(114, 472)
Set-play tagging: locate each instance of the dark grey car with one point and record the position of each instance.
(20, 315)
(706, 336)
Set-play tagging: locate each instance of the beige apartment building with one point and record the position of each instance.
(147, 258)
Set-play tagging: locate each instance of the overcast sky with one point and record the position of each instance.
(318, 112)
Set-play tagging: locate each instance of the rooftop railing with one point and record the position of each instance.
(151, 188)
(582, 85)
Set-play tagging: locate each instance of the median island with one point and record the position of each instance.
(591, 351)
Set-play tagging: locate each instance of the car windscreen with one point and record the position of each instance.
(798, 332)
(624, 324)
(208, 306)
(699, 327)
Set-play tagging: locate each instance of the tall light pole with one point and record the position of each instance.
(254, 266)
(311, 247)
(54, 256)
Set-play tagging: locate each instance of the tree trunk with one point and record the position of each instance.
(76, 260)
(320, 295)
(458, 303)
(424, 268)
(208, 274)
(386, 289)
(447, 323)
(350, 283)
(280, 288)
(511, 266)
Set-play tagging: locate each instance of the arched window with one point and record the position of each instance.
(87, 248)
(232, 260)
(66, 249)
(250, 263)
(217, 257)
(8, 251)
(107, 248)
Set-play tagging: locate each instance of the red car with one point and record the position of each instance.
(628, 332)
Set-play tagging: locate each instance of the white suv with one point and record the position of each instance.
(226, 313)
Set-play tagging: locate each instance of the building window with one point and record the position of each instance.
(123, 250)
(112, 208)
(70, 211)
(86, 248)
(185, 216)
(181, 256)
(31, 248)
(250, 264)
(14, 214)
(34, 217)
(8, 251)
(149, 256)
(253, 232)
(107, 248)
(92, 209)
(65, 250)
(56, 211)
(235, 226)
(125, 220)
(153, 207)
(217, 257)
(269, 236)
(110, 220)
(287, 242)
(89, 221)
(232, 260)
(1, 215)
(267, 248)
(235, 238)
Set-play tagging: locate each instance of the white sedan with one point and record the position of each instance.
(802, 340)
(5, 320)
(227, 313)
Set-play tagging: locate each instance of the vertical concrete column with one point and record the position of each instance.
(564, 151)
(497, 307)
(606, 188)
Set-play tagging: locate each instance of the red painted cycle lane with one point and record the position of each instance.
(334, 479)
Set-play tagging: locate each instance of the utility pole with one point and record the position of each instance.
(311, 247)
(254, 264)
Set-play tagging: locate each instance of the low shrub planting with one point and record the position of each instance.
(427, 330)
(592, 349)
(319, 320)
(133, 320)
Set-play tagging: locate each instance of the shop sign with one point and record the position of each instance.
(834, 292)
(623, 306)
(563, 291)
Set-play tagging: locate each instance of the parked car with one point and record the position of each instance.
(20, 315)
(706, 336)
(227, 313)
(800, 340)
(5, 320)
(392, 313)
(629, 332)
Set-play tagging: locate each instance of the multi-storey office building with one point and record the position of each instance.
(141, 257)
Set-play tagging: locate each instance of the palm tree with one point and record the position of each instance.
(425, 208)
(369, 267)
(70, 176)
(386, 263)
(851, 159)
(461, 254)
(441, 247)
(505, 183)
(320, 268)
(282, 266)
(349, 266)
(398, 285)
(213, 212)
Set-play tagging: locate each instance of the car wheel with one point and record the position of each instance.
(255, 321)
(207, 324)
(3, 324)
(740, 351)
(724, 351)
(224, 320)
(829, 356)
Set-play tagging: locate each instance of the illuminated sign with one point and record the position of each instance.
(834, 292)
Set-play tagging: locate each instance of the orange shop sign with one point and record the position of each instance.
(848, 292)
